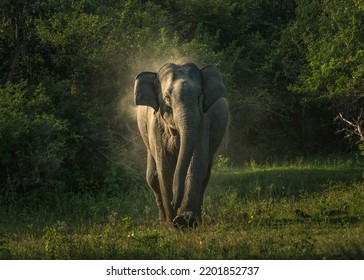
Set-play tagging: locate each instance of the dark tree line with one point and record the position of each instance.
(67, 69)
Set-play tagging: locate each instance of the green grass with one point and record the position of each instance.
(309, 208)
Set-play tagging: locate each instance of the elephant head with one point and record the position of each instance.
(181, 94)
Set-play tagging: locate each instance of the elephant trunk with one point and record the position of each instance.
(188, 125)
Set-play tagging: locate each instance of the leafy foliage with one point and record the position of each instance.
(361, 148)
(334, 46)
(68, 67)
(33, 139)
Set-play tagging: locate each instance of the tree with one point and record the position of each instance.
(326, 64)
(353, 129)
(332, 33)
(33, 139)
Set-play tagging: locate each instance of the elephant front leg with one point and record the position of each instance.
(189, 214)
(165, 168)
(202, 193)
(153, 182)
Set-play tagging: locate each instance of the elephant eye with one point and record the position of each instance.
(168, 110)
(168, 101)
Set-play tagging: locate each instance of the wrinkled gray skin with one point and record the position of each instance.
(182, 117)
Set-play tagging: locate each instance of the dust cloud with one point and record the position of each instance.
(133, 150)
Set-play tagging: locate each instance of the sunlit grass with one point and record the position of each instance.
(305, 209)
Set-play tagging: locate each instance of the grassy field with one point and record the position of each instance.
(308, 208)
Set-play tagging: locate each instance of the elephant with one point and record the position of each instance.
(182, 116)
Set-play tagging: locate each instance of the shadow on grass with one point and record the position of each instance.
(283, 182)
(341, 220)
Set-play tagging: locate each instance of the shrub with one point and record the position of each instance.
(32, 138)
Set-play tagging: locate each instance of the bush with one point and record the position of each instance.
(32, 138)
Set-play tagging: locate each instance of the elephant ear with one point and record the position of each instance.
(212, 86)
(144, 90)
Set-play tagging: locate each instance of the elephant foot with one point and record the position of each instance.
(185, 221)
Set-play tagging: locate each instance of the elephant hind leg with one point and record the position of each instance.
(153, 182)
